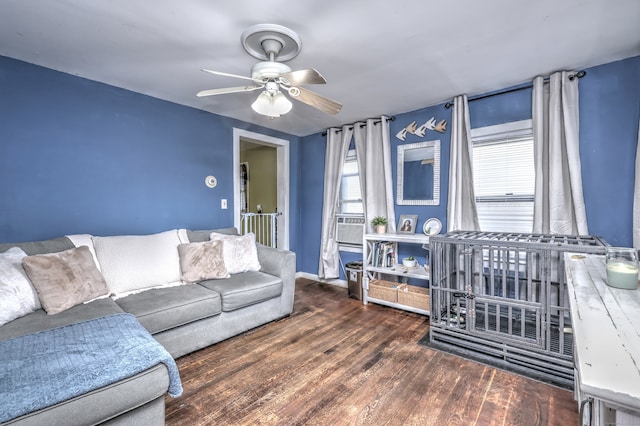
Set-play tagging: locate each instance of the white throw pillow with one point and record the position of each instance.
(239, 252)
(183, 236)
(17, 296)
(134, 263)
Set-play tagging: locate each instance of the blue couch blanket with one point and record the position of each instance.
(45, 368)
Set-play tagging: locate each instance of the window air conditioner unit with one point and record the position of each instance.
(349, 230)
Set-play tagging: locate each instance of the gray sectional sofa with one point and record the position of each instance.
(182, 318)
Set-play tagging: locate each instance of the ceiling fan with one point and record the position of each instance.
(275, 44)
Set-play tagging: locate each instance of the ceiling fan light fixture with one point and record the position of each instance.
(275, 44)
(272, 104)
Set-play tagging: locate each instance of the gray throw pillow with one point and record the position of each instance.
(65, 279)
(202, 261)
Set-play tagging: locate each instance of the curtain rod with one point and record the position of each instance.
(578, 74)
(392, 118)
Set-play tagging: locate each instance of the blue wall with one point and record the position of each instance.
(312, 151)
(609, 115)
(78, 156)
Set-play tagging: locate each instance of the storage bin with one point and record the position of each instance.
(414, 296)
(384, 290)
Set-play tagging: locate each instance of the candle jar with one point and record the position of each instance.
(622, 267)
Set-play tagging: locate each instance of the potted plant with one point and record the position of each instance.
(380, 224)
(409, 262)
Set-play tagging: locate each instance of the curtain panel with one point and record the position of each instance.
(373, 152)
(335, 156)
(558, 202)
(462, 213)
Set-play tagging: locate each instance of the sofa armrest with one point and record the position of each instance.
(280, 263)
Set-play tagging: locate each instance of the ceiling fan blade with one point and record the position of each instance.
(315, 100)
(306, 76)
(212, 92)
(226, 74)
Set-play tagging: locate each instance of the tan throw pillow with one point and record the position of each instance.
(65, 279)
(202, 261)
(240, 252)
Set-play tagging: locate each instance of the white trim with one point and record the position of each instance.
(402, 151)
(283, 175)
(350, 249)
(514, 129)
(314, 277)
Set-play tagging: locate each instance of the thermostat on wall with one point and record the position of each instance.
(211, 181)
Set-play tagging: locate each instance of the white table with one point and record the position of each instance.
(606, 327)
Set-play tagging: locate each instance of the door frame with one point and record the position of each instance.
(283, 173)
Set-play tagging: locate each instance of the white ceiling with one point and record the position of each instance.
(379, 56)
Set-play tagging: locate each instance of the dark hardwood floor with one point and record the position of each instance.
(335, 361)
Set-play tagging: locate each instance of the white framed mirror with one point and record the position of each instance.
(418, 181)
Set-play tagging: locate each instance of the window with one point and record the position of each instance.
(350, 198)
(504, 176)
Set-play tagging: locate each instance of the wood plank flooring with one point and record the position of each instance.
(335, 361)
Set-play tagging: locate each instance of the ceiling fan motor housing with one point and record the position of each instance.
(268, 70)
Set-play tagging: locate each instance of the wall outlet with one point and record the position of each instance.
(223, 203)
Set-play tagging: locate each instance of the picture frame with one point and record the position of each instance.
(407, 224)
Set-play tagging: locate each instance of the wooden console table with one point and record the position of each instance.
(606, 330)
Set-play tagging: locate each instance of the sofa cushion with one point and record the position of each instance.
(104, 405)
(39, 320)
(65, 279)
(165, 308)
(17, 295)
(240, 253)
(245, 289)
(203, 235)
(39, 247)
(202, 261)
(134, 263)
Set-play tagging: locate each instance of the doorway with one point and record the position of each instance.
(276, 149)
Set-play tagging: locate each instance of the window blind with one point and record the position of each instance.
(504, 177)
(504, 168)
(350, 199)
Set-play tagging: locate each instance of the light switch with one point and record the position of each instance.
(223, 203)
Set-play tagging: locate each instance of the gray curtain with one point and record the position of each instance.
(558, 204)
(373, 151)
(462, 213)
(636, 197)
(335, 156)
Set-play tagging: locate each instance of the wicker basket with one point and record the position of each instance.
(383, 290)
(416, 297)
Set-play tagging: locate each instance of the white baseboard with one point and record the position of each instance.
(336, 282)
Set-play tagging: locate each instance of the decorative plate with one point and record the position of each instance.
(432, 226)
